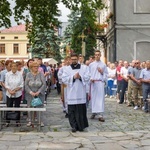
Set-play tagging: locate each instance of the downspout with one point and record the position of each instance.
(115, 33)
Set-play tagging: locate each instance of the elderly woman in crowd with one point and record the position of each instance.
(14, 84)
(2, 78)
(25, 71)
(34, 86)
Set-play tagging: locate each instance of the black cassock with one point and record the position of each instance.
(77, 113)
(77, 116)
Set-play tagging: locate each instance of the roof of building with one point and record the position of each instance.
(15, 29)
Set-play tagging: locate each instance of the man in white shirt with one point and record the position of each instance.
(124, 81)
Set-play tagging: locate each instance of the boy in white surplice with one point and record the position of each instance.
(76, 76)
(98, 73)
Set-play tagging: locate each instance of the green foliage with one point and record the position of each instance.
(46, 44)
(85, 24)
(5, 13)
(72, 19)
(43, 15)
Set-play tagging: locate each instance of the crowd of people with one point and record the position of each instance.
(20, 81)
(127, 82)
(131, 81)
(81, 84)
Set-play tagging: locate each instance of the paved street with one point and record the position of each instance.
(124, 129)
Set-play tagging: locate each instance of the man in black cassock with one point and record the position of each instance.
(75, 77)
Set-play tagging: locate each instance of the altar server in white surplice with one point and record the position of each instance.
(64, 86)
(98, 76)
(75, 77)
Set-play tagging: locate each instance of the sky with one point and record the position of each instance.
(64, 11)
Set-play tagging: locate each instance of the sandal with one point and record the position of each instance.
(18, 124)
(7, 125)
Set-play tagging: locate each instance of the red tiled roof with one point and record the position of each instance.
(15, 29)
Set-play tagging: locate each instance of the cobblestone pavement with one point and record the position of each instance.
(124, 129)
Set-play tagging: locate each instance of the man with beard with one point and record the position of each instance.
(75, 77)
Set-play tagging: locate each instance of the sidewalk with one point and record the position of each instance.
(124, 129)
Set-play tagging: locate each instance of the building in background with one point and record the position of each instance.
(65, 49)
(127, 35)
(14, 43)
(62, 28)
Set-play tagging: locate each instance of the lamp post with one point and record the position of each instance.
(83, 43)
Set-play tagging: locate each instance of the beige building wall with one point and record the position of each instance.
(9, 40)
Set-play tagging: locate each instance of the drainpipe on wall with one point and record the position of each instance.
(115, 34)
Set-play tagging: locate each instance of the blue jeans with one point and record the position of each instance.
(124, 85)
(114, 91)
(110, 86)
(146, 92)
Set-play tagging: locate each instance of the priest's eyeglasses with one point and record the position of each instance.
(74, 59)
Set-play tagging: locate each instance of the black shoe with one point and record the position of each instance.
(92, 117)
(81, 130)
(120, 102)
(66, 116)
(73, 130)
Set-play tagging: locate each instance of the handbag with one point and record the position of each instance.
(1, 93)
(36, 101)
(12, 115)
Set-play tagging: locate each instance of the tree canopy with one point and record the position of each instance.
(43, 14)
(82, 22)
(40, 12)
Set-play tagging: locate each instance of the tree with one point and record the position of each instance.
(85, 24)
(46, 44)
(72, 20)
(5, 13)
(42, 14)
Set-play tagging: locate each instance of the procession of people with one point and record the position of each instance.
(80, 83)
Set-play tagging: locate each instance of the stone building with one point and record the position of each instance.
(127, 35)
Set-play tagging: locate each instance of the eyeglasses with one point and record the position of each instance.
(74, 59)
(137, 63)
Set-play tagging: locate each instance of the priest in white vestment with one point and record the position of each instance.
(75, 77)
(98, 77)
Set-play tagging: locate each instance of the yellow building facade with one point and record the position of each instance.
(14, 43)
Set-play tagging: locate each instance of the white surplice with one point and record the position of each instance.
(60, 72)
(97, 88)
(76, 91)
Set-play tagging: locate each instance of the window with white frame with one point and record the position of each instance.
(2, 48)
(16, 48)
